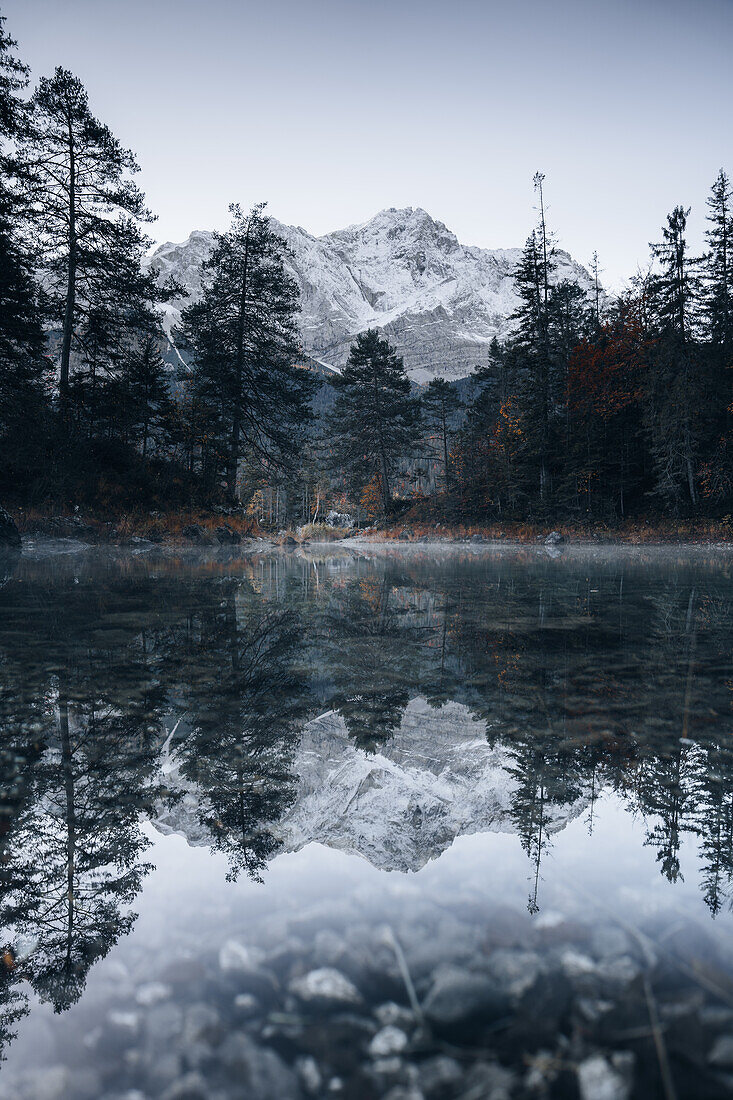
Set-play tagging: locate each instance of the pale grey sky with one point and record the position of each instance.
(333, 109)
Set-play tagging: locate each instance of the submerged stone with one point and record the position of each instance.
(722, 1052)
(598, 1080)
(458, 996)
(390, 1040)
(326, 986)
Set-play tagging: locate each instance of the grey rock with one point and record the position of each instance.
(239, 957)
(265, 1075)
(165, 1069)
(52, 1083)
(339, 519)
(328, 948)
(617, 972)
(201, 1021)
(389, 1041)
(191, 1087)
(458, 995)
(554, 539)
(577, 964)
(404, 1092)
(152, 993)
(599, 1080)
(515, 971)
(246, 1005)
(326, 986)
(488, 1081)
(163, 1022)
(9, 533)
(397, 1015)
(124, 1021)
(309, 1074)
(722, 1052)
(593, 1008)
(192, 531)
(439, 1076)
(608, 942)
(227, 536)
(716, 1016)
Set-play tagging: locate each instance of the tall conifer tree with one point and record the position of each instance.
(719, 267)
(87, 209)
(243, 335)
(21, 336)
(673, 396)
(441, 402)
(375, 422)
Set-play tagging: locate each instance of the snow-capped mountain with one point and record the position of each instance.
(439, 302)
(436, 779)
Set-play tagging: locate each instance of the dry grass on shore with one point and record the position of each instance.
(171, 525)
(635, 533)
(125, 525)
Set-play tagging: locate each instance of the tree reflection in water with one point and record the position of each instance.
(593, 676)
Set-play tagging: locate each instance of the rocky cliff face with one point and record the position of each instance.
(440, 302)
(435, 780)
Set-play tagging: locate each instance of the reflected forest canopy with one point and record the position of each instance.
(131, 685)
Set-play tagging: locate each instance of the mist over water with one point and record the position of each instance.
(343, 823)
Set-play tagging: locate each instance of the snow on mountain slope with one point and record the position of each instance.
(435, 780)
(439, 302)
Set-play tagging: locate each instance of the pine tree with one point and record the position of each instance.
(718, 272)
(13, 79)
(21, 335)
(716, 472)
(595, 272)
(146, 389)
(551, 319)
(375, 421)
(674, 390)
(87, 209)
(243, 337)
(441, 403)
(605, 458)
(531, 352)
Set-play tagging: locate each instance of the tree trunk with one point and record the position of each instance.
(66, 763)
(237, 413)
(445, 452)
(386, 491)
(70, 284)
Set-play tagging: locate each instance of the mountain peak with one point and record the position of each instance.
(439, 302)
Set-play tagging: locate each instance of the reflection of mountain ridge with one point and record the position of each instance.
(400, 807)
(500, 695)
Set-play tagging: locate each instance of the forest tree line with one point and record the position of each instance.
(594, 408)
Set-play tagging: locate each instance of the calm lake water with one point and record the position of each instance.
(342, 823)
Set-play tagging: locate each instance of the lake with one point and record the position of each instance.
(366, 822)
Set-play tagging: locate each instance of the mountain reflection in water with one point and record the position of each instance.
(557, 731)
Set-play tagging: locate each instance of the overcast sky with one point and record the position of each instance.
(333, 109)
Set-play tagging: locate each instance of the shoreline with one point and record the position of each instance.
(192, 528)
